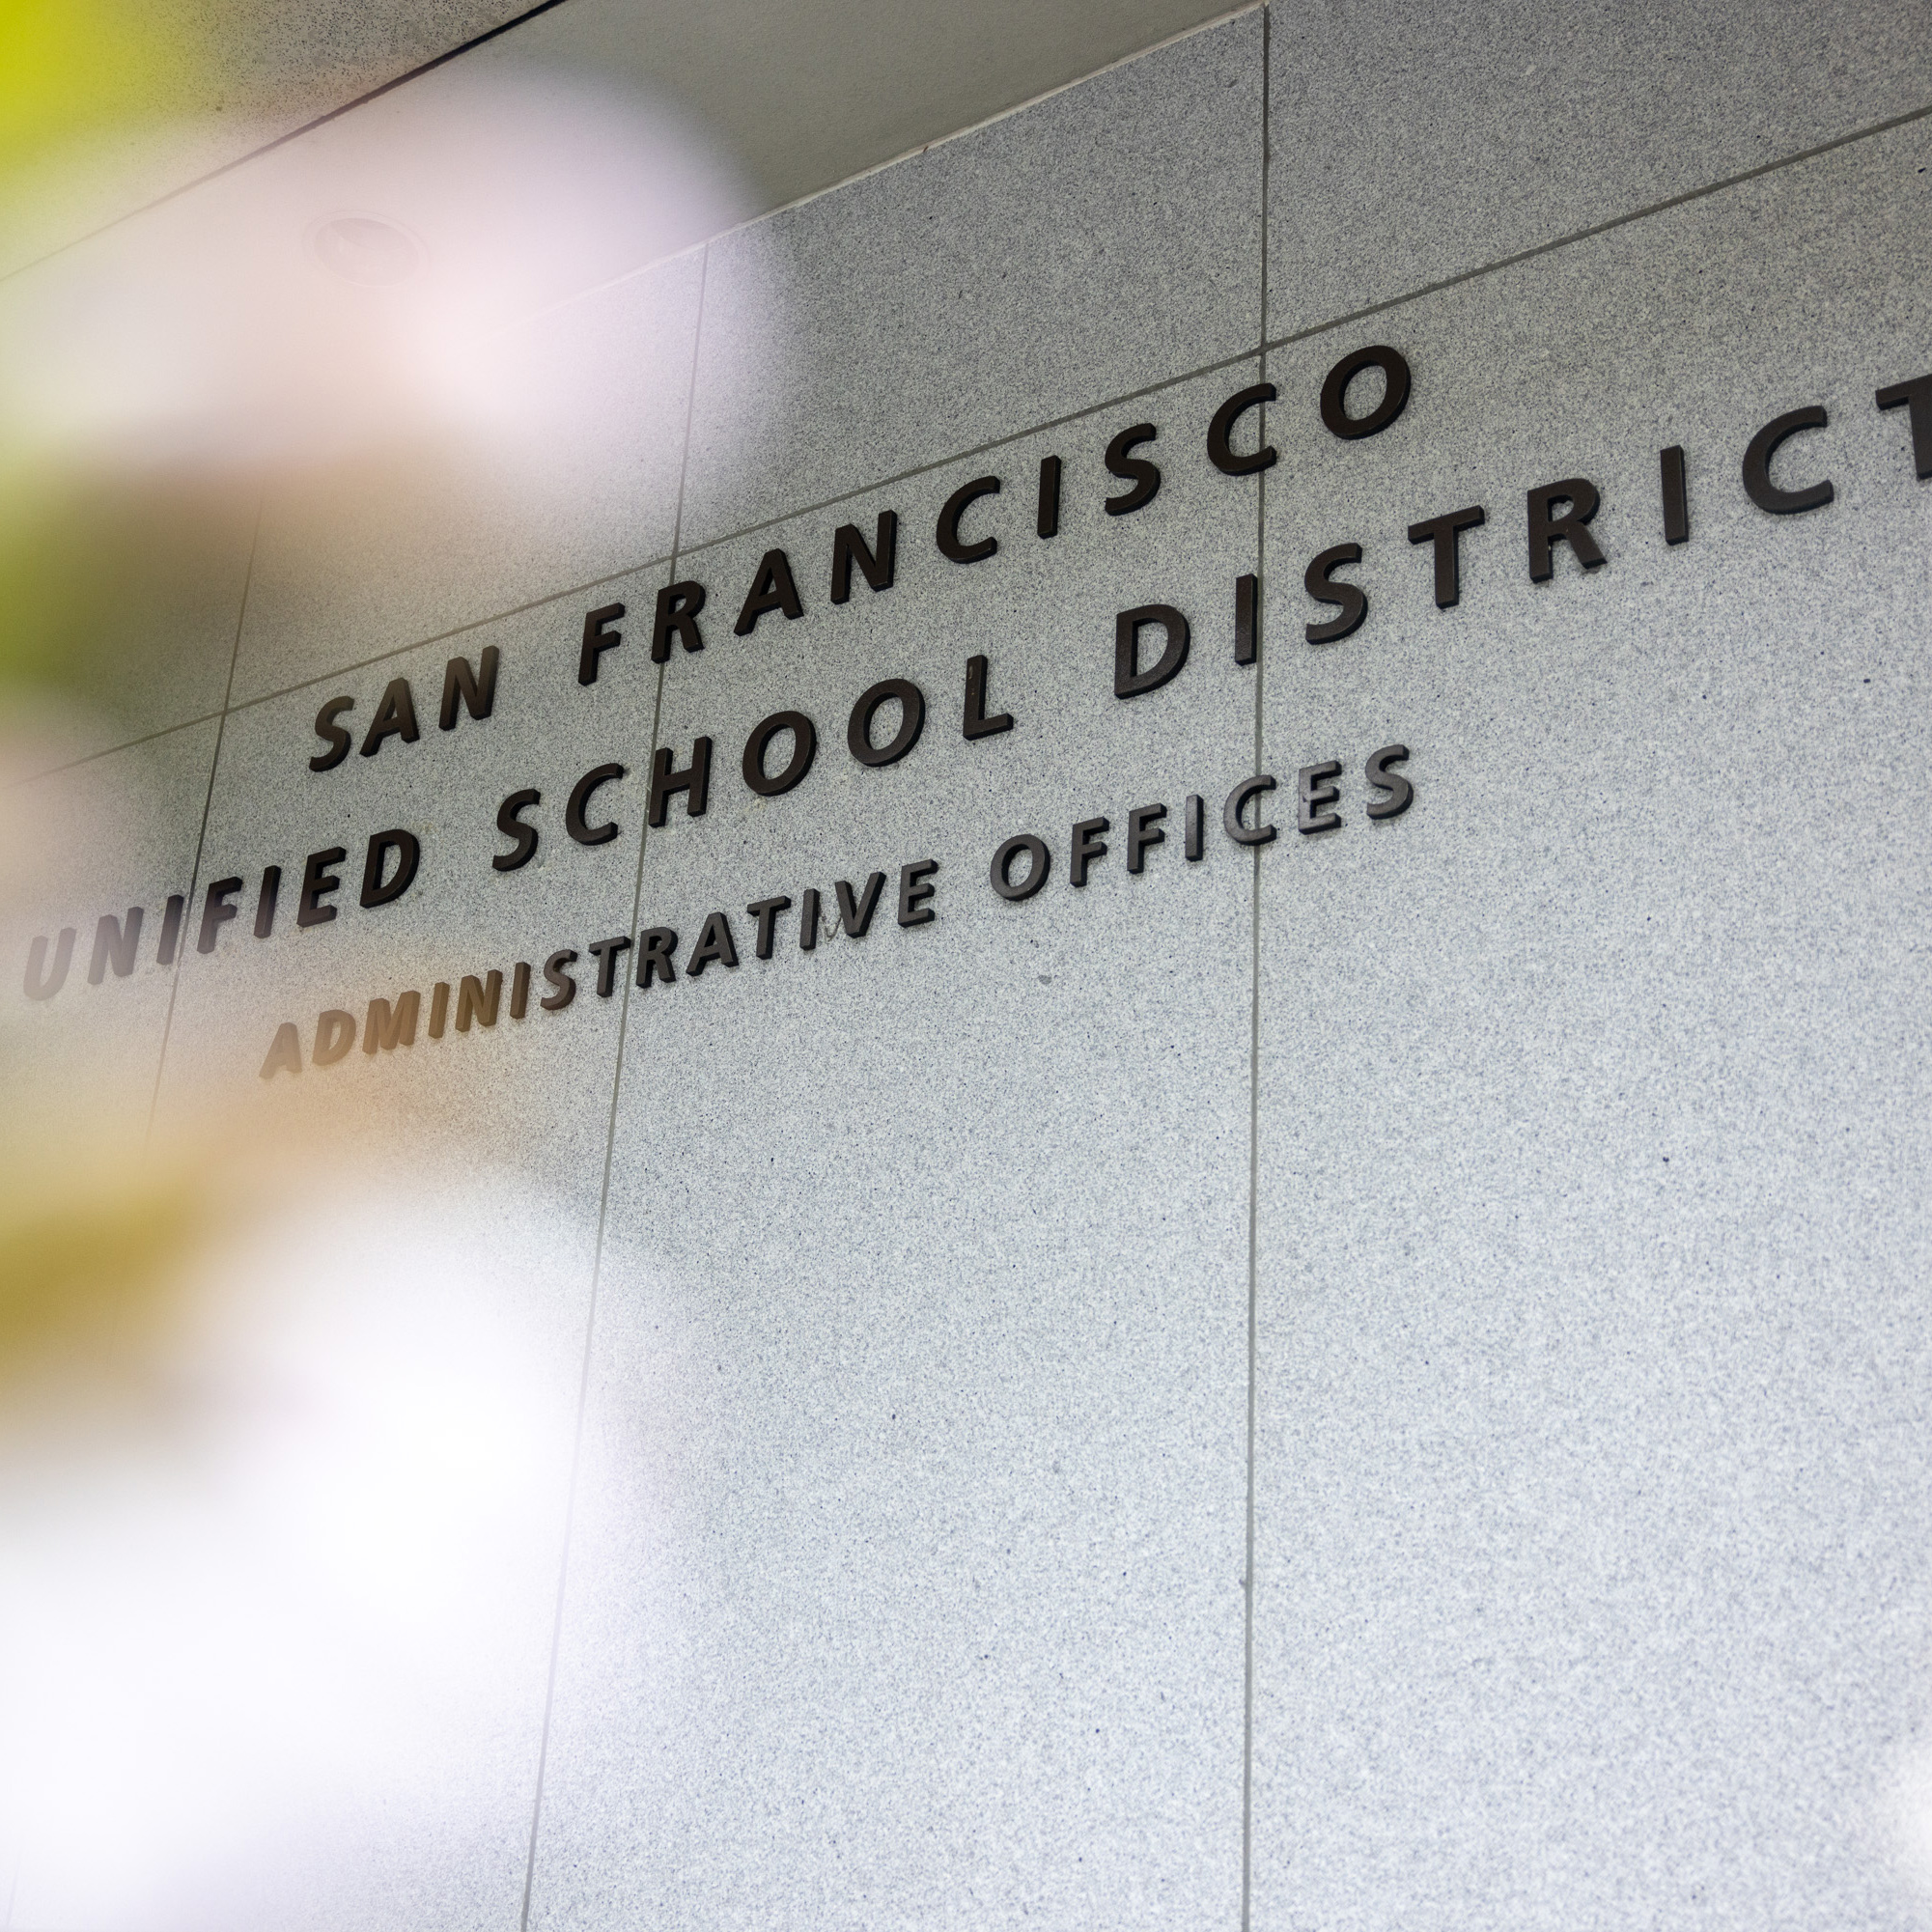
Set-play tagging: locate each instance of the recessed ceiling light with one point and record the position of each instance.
(362, 248)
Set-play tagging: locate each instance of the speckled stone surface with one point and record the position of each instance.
(1591, 1492)
(907, 1587)
(1104, 239)
(99, 837)
(518, 1112)
(1415, 144)
(1569, 1131)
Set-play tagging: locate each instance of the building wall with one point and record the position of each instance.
(1373, 1379)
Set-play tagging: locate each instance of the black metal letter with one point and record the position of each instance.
(805, 749)
(41, 984)
(409, 852)
(599, 637)
(1142, 830)
(511, 825)
(1335, 417)
(1247, 618)
(1144, 476)
(1676, 496)
(1048, 523)
(1445, 533)
(911, 722)
(1324, 588)
(1916, 398)
(678, 608)
(1399, 788)
(694, 782)
(115, 944)
(772, 589)
(337, 740)
(1758, 483)
(1128, 679)
(655, 947)
(395, 717)
(914, 891)
(1546, 529)
(947, 534)
(606, 953)
(1086, 848)
(977, 723)
(876, 563)
(1039, 860)
(317, 881)
(1314, 795)
(766, 911)
(563, 988)
(1221, 450)
(580, 797)
(475, 690)
(1237, 803)
(216, 911)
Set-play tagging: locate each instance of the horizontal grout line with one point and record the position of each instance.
(343, 670)
(1603, 227)
(978, 449)
(109, 750)
(998, 115)
(1315, 330)
(444, 636)
(868, 488)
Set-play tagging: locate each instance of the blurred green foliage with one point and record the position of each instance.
(74, 547)
(93, 1265)
(70, 69)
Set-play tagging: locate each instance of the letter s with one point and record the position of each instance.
(1144, 476)
(512, 827)
(1400, 790)
(332, 735)
(1325, 587)
(566, 987)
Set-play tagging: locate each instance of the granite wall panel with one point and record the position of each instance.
(907, 1585)
(1589, 1514)
(1411, 146)
(97, 839)
(1562, 1138)
(489, 1138)
(1101, 240)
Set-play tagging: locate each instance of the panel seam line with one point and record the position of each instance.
(1040, 428)
(201, 834)
(1255, 1049)
(610, 1154)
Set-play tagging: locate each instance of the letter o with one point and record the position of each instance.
(1335, 417)
(1002, 866)
(805, 749)
(912, 720)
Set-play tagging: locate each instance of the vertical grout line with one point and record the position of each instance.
(609, 1143)
(1254, 1063)
(206, 805)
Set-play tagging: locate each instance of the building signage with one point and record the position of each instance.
(1152, 645)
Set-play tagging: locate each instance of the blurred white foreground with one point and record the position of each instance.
(350, 290)
(267, 1608)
